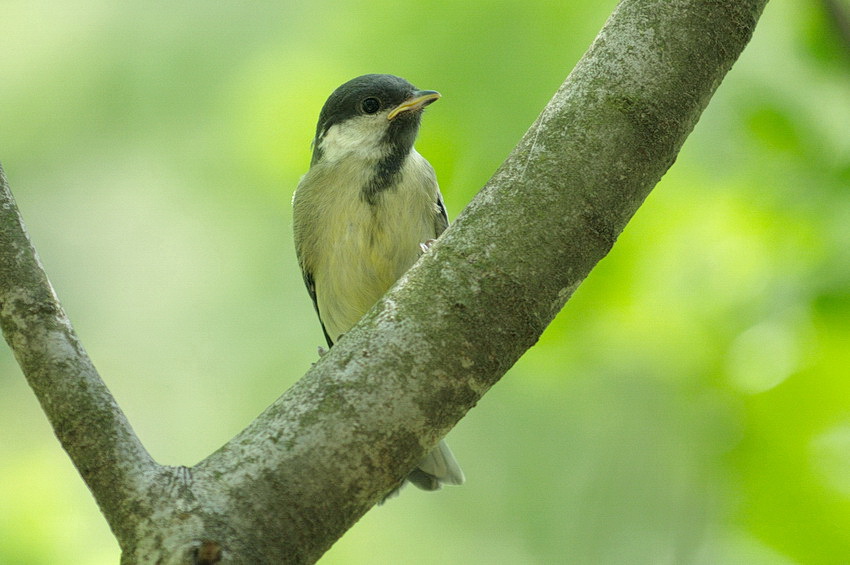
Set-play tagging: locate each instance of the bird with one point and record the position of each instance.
(367, 208)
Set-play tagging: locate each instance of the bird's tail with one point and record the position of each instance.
(436, 469)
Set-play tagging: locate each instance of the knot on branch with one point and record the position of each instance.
(208, 553)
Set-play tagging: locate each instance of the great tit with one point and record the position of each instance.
(365, 211)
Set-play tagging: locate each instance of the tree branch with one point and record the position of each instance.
(316, 460)
(87, 421)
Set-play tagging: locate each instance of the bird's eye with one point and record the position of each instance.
(370, 105)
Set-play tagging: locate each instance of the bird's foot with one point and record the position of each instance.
(426, 245)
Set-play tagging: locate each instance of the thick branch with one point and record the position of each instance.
(86, 419)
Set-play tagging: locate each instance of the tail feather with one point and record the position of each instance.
(440, 467)
(436, 469)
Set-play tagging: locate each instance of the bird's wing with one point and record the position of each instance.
(441, 221)
(311, 289)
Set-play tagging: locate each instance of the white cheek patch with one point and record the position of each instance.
(361, 136)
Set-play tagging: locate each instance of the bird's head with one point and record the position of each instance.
(370, 116)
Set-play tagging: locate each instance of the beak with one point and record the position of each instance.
(419, 100)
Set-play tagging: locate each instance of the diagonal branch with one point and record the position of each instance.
(395, 384)
(87, 421)
(318, 458)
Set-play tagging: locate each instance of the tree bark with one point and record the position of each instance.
(292, 483)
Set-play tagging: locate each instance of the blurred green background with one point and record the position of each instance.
(691, 404)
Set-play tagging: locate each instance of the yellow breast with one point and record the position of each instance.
(354, 250)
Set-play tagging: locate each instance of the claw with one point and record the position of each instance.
(426, 245)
